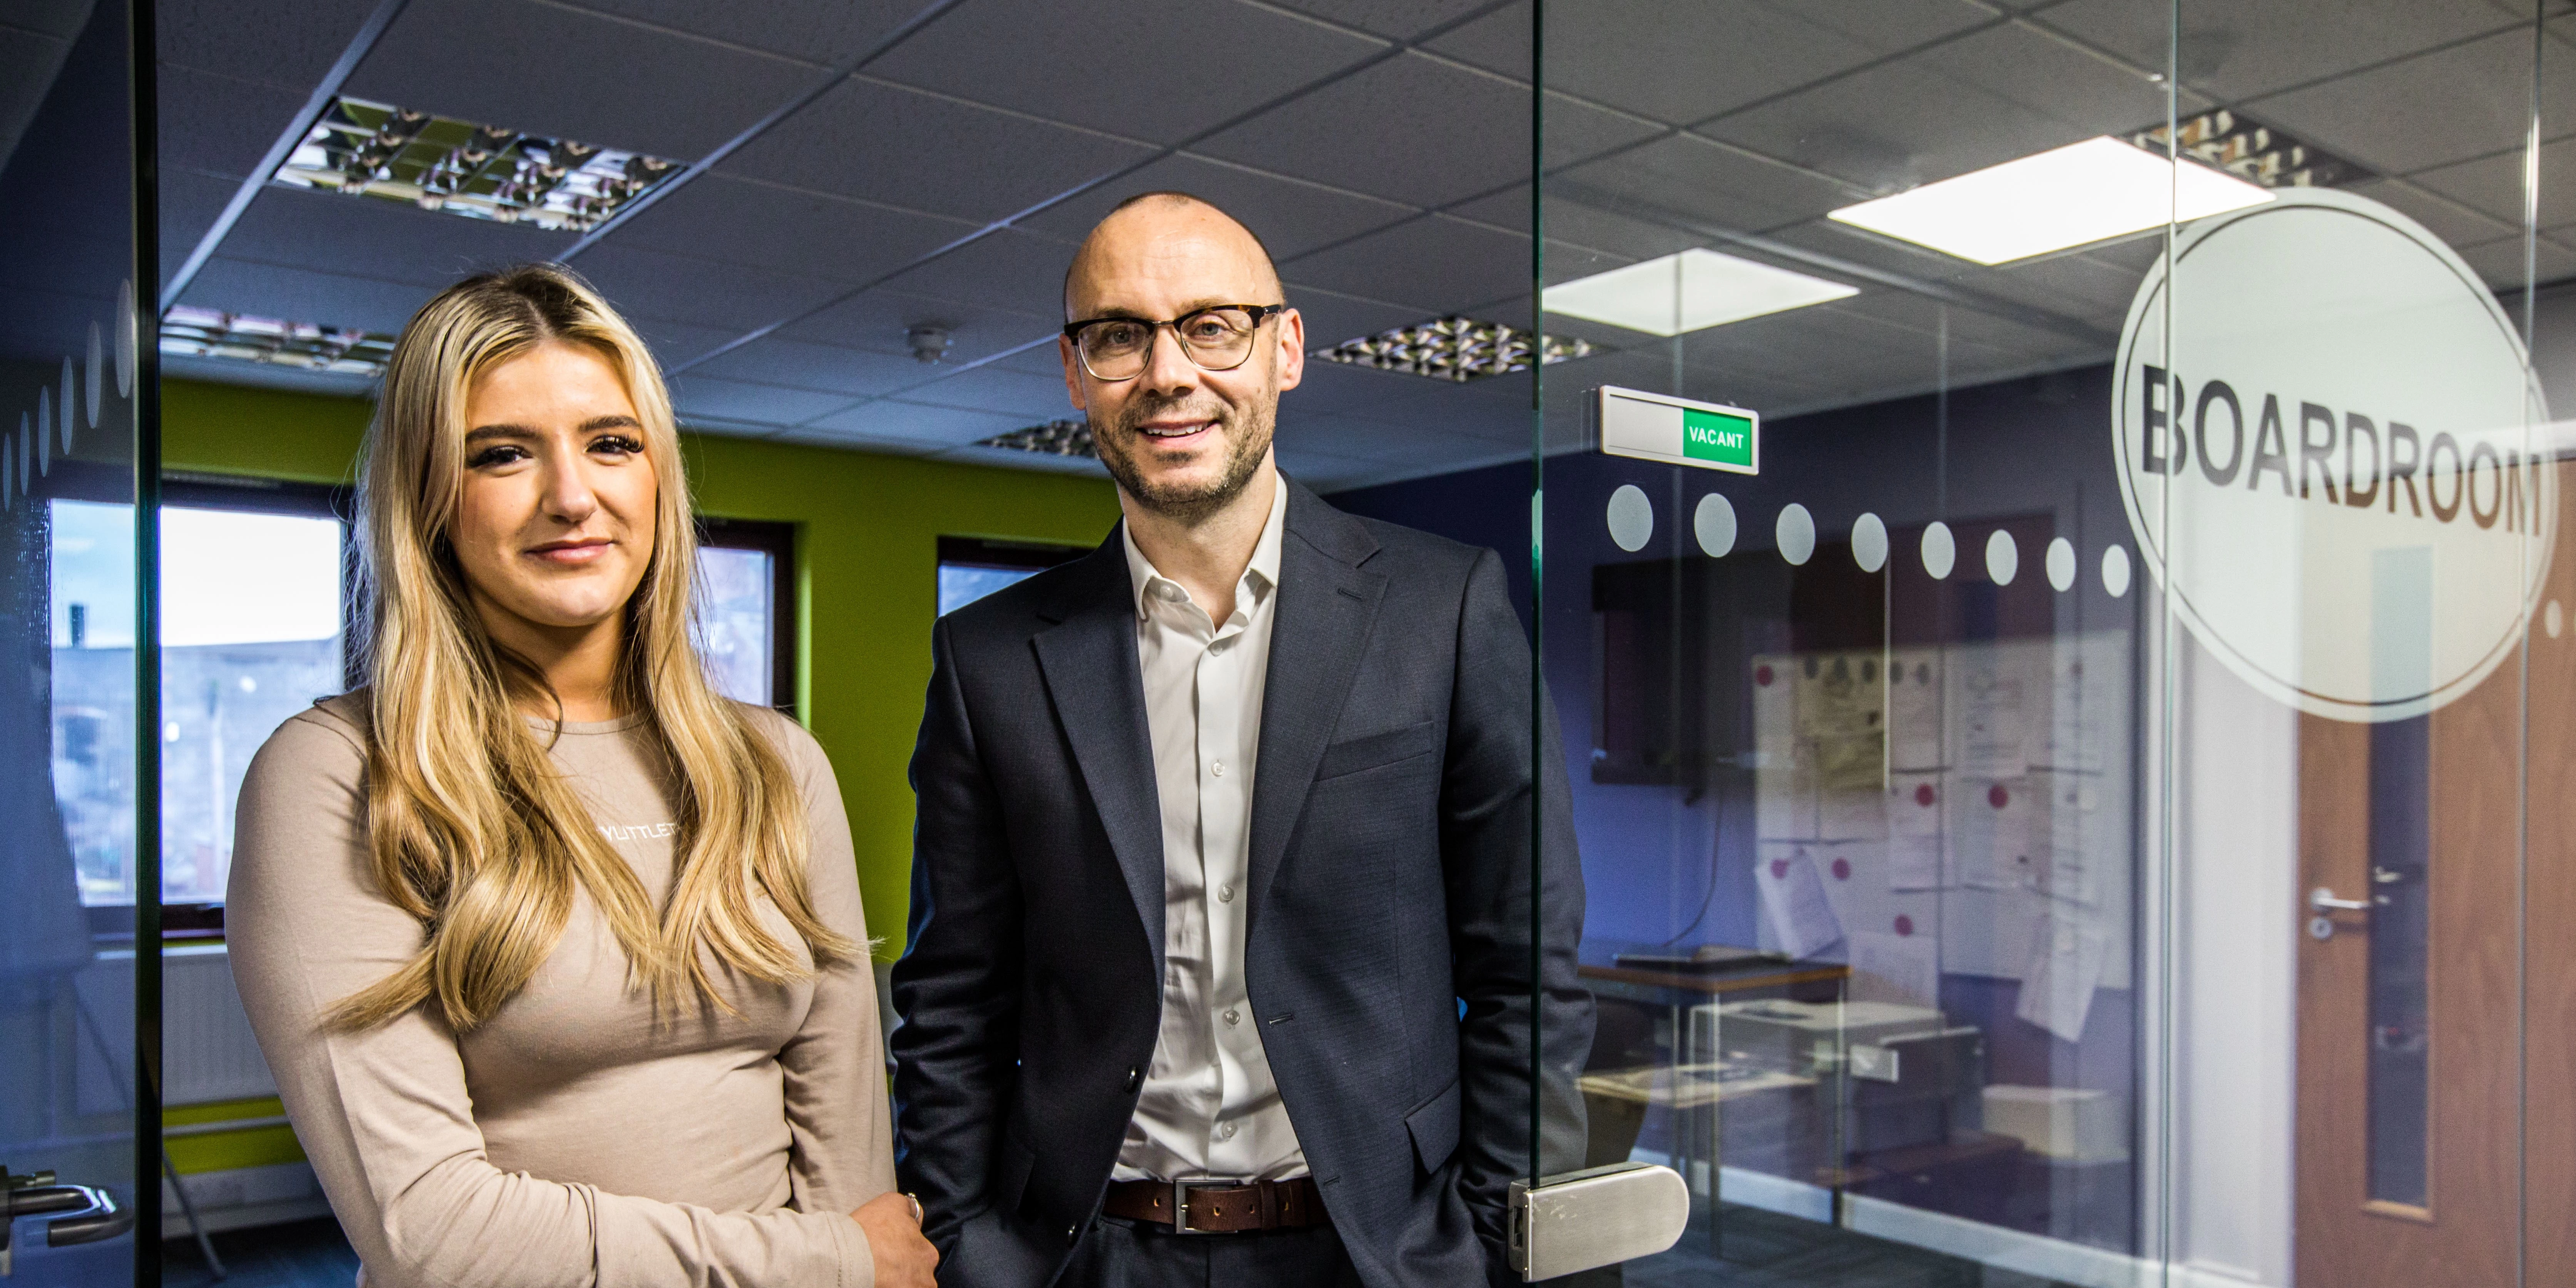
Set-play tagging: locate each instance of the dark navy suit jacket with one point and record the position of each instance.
(1391, 880)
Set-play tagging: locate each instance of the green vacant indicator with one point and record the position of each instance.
(1718, 437)
(1677, 431)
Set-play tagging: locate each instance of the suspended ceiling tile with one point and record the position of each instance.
(699, 290)
(1416, 130)
(798, 364)
(1339, 389)
(1079, 63)
(1702, 181)
(289, 44)
(877, 320)
(2455, 104)
(855, 441)
(302, 295)
(190, 202)
(2054, 80)
(788, 230)
(1398, 19)
(1006, 269)
(882, 142)
(676, 343)
(2239, 51)
(1436, 264)
(551, 70)
(2493, 186)
(814, 31)
(2445, 218)
(1676, 62)
(219, 125)
(993, 388)
(1332, 318)
(1895, 126)
(1582, 230)
(334, 233)
(890, 418)
(1291, 216)
(738, 400)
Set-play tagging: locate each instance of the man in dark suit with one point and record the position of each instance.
(1220, 965)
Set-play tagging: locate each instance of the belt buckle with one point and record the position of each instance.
(1181, 1204)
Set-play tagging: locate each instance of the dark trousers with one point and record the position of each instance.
(1117, 1253)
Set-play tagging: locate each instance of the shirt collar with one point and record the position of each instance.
(1262, 574)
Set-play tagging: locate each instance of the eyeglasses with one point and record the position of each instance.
(1217, 338)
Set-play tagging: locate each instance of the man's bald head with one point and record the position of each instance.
(1165, 233)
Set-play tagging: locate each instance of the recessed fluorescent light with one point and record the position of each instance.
(1691, 291)
(1054, 438)
(207, 333)
(1453, 348)
(480, 171)
(2070, 196)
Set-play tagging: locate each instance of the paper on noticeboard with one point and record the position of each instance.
(1793, 902)
(2066, 962)
(1914, 738)
(1913, 808)
(1896, 968)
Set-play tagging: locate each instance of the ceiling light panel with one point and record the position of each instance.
(479, 171)
(240, 337)
(1054, 438)
(1456, 349)
(1691, 291)
(2071, 196)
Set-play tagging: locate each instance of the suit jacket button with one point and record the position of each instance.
(1135, 1079)
(1073, 1234)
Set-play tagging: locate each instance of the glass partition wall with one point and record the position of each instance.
(2052, 592)
(74, 818)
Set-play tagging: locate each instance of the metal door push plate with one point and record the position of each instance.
(1596, 1217)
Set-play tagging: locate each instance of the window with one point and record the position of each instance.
(253, 626)
(972, 567)
(746, 619)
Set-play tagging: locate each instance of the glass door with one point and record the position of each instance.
(77, 870)
(2052, 592)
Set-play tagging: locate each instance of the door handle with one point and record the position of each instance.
(88, 1213)
(2322, 899)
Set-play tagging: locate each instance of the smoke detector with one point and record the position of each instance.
(929, 343)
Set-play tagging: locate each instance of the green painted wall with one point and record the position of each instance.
(867, 531)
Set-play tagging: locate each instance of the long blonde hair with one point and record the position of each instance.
(471, 828)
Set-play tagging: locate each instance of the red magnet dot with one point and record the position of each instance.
(1762, 676)
(1842, 869)
(1779, 868)
(1997, 796)
(1923, 795)
(1904, 924)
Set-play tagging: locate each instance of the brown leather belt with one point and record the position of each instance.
(1220, 1207)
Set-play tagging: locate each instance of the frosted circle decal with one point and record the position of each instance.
(2554, 618)
(1869, 543)
(2061, 565)
(97, 361)
(2003, 558)
(1796, 533)
(2115, 571)
(1940, 550)
(1632, 517)
(1714, 524)
(2333, 471)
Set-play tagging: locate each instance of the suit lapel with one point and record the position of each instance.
(1089, 660)
(1327, 603)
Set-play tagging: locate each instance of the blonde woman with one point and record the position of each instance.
(558, 956)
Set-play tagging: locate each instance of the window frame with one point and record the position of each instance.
(777, 540)
(1000, 552)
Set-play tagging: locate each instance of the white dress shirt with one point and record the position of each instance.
(1209, 1108)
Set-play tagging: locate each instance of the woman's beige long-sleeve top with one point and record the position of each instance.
(572, 1139)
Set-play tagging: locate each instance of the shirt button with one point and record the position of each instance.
(1218, 768)
(1226, 1132)
(1225, 894)
(1219, 646)
(1234, 1017)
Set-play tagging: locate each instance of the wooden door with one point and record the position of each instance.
(2411, 1083)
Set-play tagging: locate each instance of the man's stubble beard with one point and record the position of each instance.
(1190, 504)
